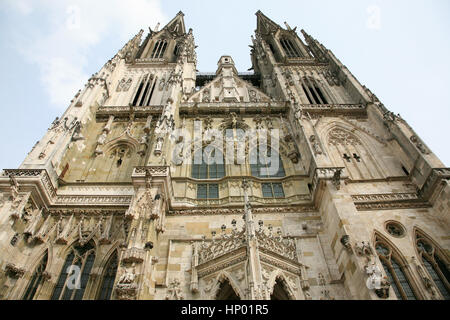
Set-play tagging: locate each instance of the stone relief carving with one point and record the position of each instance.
(126, 288)
(174, 290)
(315, 145)
(124, 85)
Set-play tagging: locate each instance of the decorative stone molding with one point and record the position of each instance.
(384, 197)
(133, 255)
(388, 201)
(238, 211)
(193, 109)
(335, 109)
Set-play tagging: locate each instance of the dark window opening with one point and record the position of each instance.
(108, 278)
(141, 103)
(138, 93)
(321, 95)
(37, 280)
(289, 48)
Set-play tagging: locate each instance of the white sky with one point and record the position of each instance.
(399, 49)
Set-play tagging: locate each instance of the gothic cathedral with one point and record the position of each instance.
(290, 182)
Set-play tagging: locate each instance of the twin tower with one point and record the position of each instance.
(343, 201)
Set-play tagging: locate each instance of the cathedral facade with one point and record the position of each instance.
(290, 182)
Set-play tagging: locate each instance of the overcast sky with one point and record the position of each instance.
(398, 49)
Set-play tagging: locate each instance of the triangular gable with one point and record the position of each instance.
(176, 25)
(264, 25)
(242, 89)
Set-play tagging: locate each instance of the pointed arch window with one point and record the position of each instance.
(37, 279)
(79, 264)
(290, 49)
(159, 49)
(313, 91)
(145, 91)
(109, 276)
(435, 262)
(395, 270)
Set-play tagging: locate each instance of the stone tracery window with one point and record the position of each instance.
(37, 279)
(71, 287)
(398, 276)
(144, 93)
(109, 276)
(159, 49)
(289, 48)
(435, 263)
(313, 91)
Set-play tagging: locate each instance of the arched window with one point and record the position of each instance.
(145, 91)
(267, 165)
(290, 49)
(159, 49)
(177, 50)
(78, 263)
(435, 262)
(395, 270)
(37, 279)
(109, 276)
(313, 91)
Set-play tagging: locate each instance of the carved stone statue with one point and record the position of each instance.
(315, 145)
(128, 276)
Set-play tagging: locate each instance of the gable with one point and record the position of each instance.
(237, 90)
